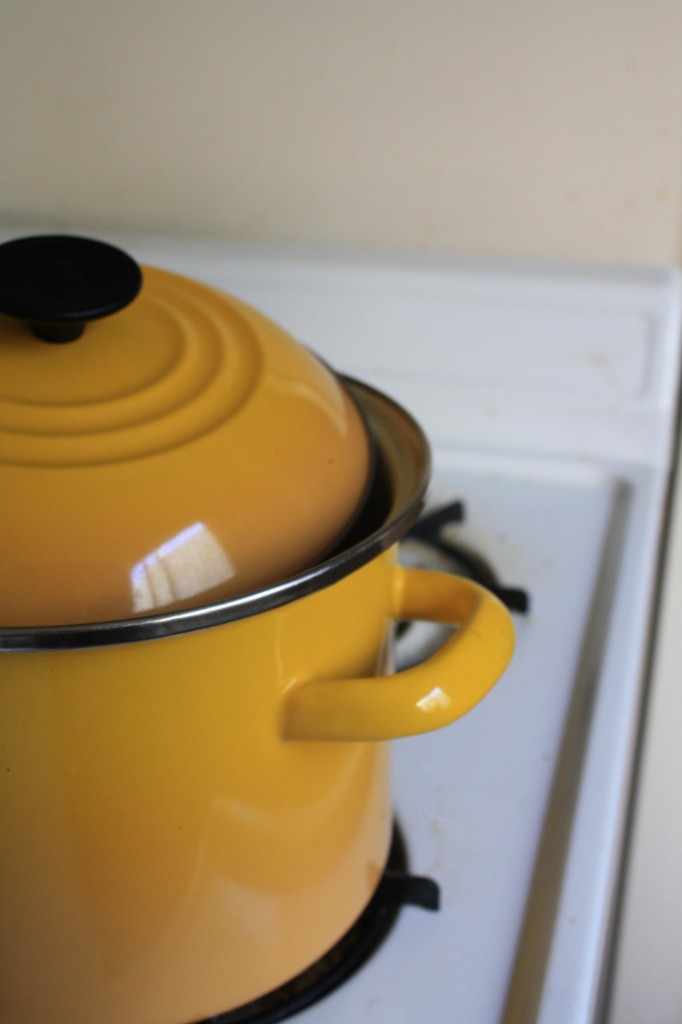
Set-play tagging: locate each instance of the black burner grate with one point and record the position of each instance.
(431, 530)
(396, 889)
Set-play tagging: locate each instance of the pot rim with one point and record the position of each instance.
(350, 557)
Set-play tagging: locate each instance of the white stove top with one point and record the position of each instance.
(550, 399)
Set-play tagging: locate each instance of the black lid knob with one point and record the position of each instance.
(60, 282)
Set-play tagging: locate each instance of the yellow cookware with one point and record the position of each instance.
(195, 804)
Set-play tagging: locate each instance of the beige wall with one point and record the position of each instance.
(530, 127)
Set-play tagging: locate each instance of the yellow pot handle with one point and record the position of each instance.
(439, 690)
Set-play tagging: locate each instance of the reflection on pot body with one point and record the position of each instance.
(188, 564)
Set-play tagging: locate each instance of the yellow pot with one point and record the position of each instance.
(194, 804)
(188, 821)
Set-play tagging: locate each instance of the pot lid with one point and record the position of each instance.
(162, 444)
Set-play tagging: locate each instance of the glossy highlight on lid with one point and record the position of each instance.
(188, 564)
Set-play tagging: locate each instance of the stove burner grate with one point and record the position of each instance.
(430, 530)
(397, 888)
